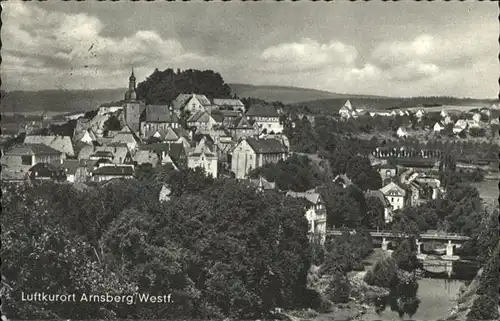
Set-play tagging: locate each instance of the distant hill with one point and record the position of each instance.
(60, 101)
(313, 101)
(332, 105)
(287, 95)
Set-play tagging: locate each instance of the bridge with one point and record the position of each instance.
(452, 239)
(429, 236)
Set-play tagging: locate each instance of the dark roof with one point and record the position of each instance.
(45, 170)
(217, 116)
(266, 146)
(262, 111)
(158, 148)
(174, 150)
(33, 149)
(230, 113)
(241, 122)
(70, 166)
(114, 170)
(160, 113)
(102, 153)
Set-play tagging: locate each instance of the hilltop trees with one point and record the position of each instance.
(161, 87)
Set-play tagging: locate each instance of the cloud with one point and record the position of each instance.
(45, 49)
(307, 54)
(62, 47)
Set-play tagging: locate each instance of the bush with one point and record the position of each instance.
(339, 289)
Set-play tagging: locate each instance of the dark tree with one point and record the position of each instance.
(161, 87)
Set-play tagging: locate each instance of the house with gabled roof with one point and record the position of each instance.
(204, 121)
(158, 117)
(22, 157)
(251, 153)
(46, 172)
(315, 213)
(231, 104)
(191, 103)
(70, 167)
(241, 127)
(126, 137)
(438, 127)
(146, 157)
(346, 111)
(60, 143)
(266, 117)
(116, 154)
(460, 125)
(395, 194)
(204, 156)
(229, 116)
(174, 153)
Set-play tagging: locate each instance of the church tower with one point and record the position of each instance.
(131, 94)
(132, 107)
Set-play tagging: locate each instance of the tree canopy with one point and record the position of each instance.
(161, 87)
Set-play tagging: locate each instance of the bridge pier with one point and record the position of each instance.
(419, 250)
(449, 252)
(385, 244)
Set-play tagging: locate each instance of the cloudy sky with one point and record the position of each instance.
(395, 49)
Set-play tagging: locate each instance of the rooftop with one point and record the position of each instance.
(266, 146)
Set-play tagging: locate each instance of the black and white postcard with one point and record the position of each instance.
(250, 160)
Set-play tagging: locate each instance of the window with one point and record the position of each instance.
(26, 160)
(392, 199)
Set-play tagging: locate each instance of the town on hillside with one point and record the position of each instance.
(401, 163)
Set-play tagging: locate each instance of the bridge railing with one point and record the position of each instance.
(378, 233)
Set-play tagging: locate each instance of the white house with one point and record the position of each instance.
(438, 127)
(459, 126)
(402, 132)
(447, 120)
(250, 153)
(205, 157)
(420, 113)
(191, 102)
(485, 111)
(315, 213)
(231, 104)
(395, 195)
(266, 117)
(476, 117)
(346, 111)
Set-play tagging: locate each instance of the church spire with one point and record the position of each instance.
(131, 94)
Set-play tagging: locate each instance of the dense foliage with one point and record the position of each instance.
(297, 173)
(218, 247)
(161, 87)
(397, 273)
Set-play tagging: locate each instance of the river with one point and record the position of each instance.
(488, 190)
(436, 300)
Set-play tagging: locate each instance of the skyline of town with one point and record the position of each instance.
(399, 50)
